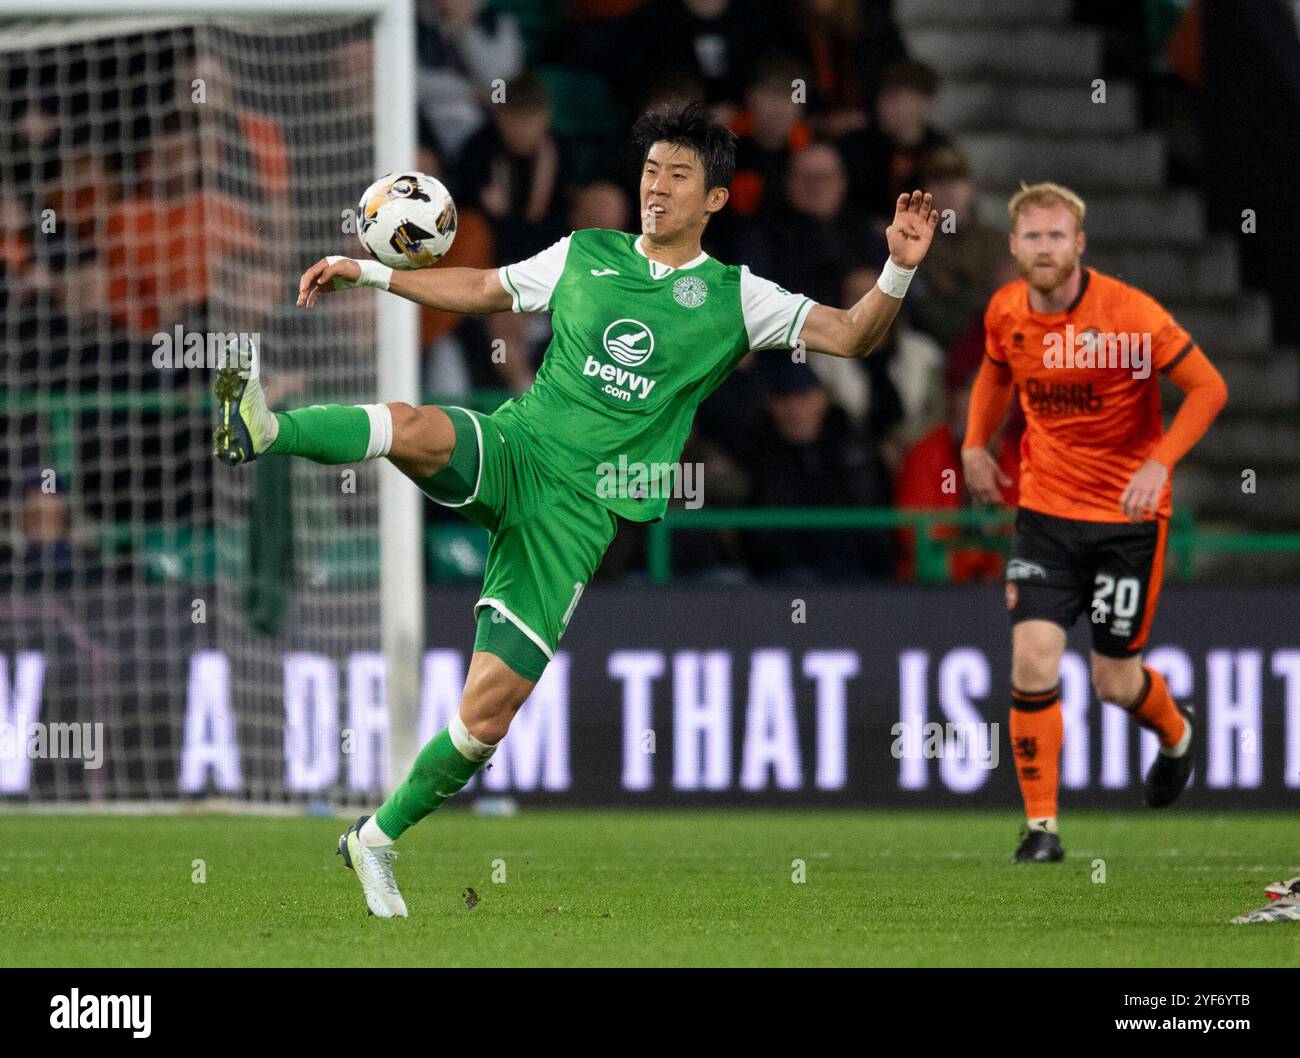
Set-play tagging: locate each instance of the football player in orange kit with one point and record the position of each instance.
(1086, 352)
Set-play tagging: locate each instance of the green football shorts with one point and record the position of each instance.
(545, 541)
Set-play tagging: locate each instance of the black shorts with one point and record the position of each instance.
(1061, 567)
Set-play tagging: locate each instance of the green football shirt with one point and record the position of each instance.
(636, 346)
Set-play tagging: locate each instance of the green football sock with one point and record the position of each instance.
(439, 771)
(324, 433)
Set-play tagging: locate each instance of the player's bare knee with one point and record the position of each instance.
(492, 696)
(487, 716)
(490, 729)
(423, 438)
(1036, 648)
(1117, 683)
(1034, 669)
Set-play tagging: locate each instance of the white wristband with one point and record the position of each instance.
(373, 274)
(894, 280)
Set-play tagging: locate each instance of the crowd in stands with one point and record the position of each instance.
(524, 113)
(834, 120)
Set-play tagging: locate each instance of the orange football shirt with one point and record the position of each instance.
(1089, 384)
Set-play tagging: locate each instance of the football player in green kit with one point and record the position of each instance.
(644, 328)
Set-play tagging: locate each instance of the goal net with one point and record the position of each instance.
(172, 629)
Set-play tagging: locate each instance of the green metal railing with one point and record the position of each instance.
(1185, 539)
(62, 410)
(931, 554)
(63, 407)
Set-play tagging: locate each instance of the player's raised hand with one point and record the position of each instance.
(984, 478)
(915, 219)
(1141, 496)
(319, 278)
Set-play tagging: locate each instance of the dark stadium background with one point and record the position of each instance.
(1173, 119)
(1167, 164)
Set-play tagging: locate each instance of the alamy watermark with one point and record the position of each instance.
(1092, 348)
(976, 741)
(211, 350)
(40, 741)
(628, 479)
(77, 1011)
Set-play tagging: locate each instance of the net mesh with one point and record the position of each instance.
(162, 185)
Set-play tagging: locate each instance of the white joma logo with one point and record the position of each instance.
(102, 1012)
(604, 271)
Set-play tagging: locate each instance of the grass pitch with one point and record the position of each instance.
(649, 888)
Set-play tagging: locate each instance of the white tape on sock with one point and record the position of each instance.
(371, 836)
(1180, 747)
(466, 744)
(381, 430)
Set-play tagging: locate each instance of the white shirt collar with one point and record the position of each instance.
(659, 270)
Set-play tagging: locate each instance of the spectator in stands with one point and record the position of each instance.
(57, 337)
(256, 154)
(601, 204)
(81, 194)
(770, 129)
(512, 170)
(78, 345)
(17, 258)
(812, 237)
(351, 81)
(844, 43)
(969, 258)
(463, 47)
(34, 331)
(456, 348)
(931, 480)
(713, 478)
(896, 393)
(33, 334)
(808, 454)
(351, 72)
(31, 136)
(714, 43)
(733, 415)
(245, 154)
(687, 49)
(155, 278)
(47, 558)
(884, 159)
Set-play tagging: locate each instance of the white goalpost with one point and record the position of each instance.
(247, 639)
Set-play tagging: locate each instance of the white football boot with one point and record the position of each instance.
(373, 867)
(246, 426)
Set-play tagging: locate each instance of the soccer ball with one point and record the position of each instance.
(406, 220)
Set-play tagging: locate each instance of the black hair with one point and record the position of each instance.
(690, 125)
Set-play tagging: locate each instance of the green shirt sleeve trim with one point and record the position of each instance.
(797, 323)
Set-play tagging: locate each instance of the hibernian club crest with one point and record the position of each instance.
(690, 292)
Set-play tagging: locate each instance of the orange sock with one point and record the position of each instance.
(1155, 709)
(1036, 733)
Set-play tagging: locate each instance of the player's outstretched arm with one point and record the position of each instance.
(1206, 393)
(858, 330)
(472, 290)
(989, 399)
